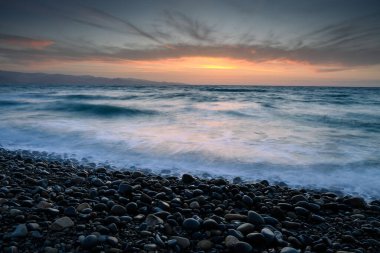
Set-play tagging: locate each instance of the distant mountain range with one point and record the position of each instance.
(9, 77)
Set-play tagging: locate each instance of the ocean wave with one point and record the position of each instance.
(100, 110)
(234, 89)
(11, 103)
(84, 97)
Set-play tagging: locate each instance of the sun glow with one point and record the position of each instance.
(204, 70)
(217, 67)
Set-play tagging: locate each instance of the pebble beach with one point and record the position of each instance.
(57, 205)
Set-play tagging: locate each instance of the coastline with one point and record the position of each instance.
(52, 205)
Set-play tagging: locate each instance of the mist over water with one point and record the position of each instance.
(303, 136)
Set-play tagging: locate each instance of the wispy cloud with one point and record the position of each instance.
(15, 41)
(101, 19)
(187, 26)
(341, 45)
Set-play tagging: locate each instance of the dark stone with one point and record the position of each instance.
(255, 218)
(125, 189)
(210, 224)
(20, 231)
(317, 219)
(90, 242)
(118, 210)
(246, 228)
(70, 211)
(187, 178)
(242, 247)
(298, 198)
(256, 239)
(268, 235)
(191, 224)
(247, 200)
(301, 211)
(132, 207)
(100, 207)
(355, 202)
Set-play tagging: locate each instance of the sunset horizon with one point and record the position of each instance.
(279, 43)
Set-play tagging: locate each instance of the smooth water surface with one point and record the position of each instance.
(303, 136)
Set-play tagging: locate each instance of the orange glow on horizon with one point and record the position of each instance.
(207, 70)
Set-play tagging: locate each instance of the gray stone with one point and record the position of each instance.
(205, 244)
(20, 231)
(246, 228)
(182, 241)
(289, 250)
(153, 220)
(150, 247)
(230, 241)
(62, 223)
(50, 250)
(255, 218)
(83, 206)
(268, 235)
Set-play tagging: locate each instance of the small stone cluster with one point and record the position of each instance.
(58, 205)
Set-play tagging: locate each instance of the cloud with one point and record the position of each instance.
(327, 70)
(346, 44)
(15, 41)
(187, 26)
(253, 53)
(101, 19)
(352, 34)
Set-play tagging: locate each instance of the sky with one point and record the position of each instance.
(284, 42)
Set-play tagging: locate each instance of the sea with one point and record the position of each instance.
(307, 137)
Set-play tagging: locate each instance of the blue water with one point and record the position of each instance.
(303, 136)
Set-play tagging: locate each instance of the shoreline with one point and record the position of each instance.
(62, 206)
